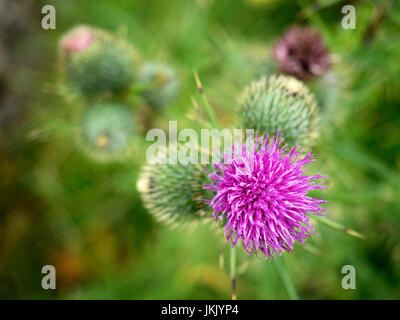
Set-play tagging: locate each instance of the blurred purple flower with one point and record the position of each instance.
(301, 52)
(78, 39)
(261, 190)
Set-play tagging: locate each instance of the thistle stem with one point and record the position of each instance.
(233, 272)
(215, 124)
(285, 277)
(221, 257)
(207, 107)
(140, 88)
(337, 226)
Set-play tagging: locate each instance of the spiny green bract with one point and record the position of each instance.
(163, 84)
(173, 192)
(107, 66)
(106, 131)
(280, 103)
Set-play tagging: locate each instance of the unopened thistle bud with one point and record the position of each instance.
(162, 82)
(97, 63)
(280, 103)
(106, 131)
(174, 193)
(78, 39)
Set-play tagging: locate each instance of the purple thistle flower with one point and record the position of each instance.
(261, 191)
(301, 52)
(78, 39)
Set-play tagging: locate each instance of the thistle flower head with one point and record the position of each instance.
(261, 190)
(284, 103)
(301, 52)
(173, 193)
(106, 131)
(78, 39)
(101, 63)
(163, 84)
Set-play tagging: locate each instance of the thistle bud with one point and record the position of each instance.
(106, 131)
(78, 39)
(301, 52)
(97, 63)
(280, 103)
(173, 192)
(162, 82)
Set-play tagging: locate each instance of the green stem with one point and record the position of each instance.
(337, 226)
(139, 88)
(233, 272)
(210, 112)
(221, 257)
(215, 124)
(285, 277)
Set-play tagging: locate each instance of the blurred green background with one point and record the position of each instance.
(59, 207)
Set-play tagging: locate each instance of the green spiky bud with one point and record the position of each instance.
(107, 131)
(280, 103)
(161, 84)
(173, 192)
(97, 63)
